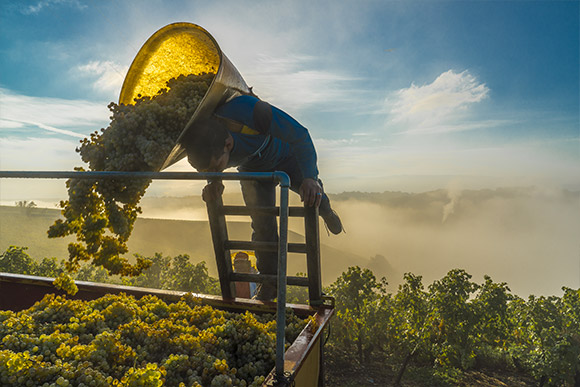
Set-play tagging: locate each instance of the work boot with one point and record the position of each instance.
(266, 292)
(331, 218)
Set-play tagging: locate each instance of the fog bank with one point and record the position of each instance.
(527, 237)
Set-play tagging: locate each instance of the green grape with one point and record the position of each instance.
(101, 213)
(66, 283)
(119, 340)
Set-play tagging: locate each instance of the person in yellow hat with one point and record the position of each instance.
(254, 136)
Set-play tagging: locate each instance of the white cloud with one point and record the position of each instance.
(295, 82)
(70, 117)
(108, 76)
(38, 153)
(39, 6)
(8, 124)
(440, 106)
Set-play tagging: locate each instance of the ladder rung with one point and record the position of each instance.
(263, 246)
(275, 211)
(290, 280)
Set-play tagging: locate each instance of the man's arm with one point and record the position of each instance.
(286, 128)
(289, 130)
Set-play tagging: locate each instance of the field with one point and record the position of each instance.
(27, 227)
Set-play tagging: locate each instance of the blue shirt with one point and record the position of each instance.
(268, 137)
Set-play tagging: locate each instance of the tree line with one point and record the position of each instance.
(175, 273)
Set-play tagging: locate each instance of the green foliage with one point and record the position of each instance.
(176, 273)
(456, 325)
(93, 273)
(357, 294)
(410, 324)
(297, 294)
(408, 329)
(454, 318)
(548, 329)
(16, 260)
(154, 276)
(186, 276)
(49, 267)
(490, 306)
(26, 206)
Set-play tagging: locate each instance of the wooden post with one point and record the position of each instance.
(219, 235)
(313, 254)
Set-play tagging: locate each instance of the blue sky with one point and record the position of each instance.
(398, 95)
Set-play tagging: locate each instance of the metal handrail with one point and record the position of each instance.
(278, 177)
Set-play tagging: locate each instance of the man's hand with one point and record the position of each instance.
(310, 192)
(212, 191)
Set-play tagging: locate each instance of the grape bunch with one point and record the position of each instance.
(101, 213)
(66, 283)
(121, 341)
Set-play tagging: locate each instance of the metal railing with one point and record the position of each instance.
(277, 177)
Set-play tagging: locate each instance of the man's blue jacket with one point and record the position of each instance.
(268, 137)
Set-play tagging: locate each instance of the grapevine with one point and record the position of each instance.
(101, 213)
(121, 341)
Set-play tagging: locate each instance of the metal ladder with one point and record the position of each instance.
(223, 246)
(217, 213)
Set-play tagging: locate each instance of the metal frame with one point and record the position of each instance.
(222, 246)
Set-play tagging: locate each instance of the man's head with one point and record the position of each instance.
(208, 145)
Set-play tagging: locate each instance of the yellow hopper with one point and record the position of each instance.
(182, 49)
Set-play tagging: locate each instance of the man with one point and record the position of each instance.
(257, 137)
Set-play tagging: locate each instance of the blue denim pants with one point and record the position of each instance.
(263, 194)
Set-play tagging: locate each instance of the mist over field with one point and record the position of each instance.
(527, 237)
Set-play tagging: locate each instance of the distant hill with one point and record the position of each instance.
(27, 227)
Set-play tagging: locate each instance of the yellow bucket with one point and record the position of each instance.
(182, 49)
